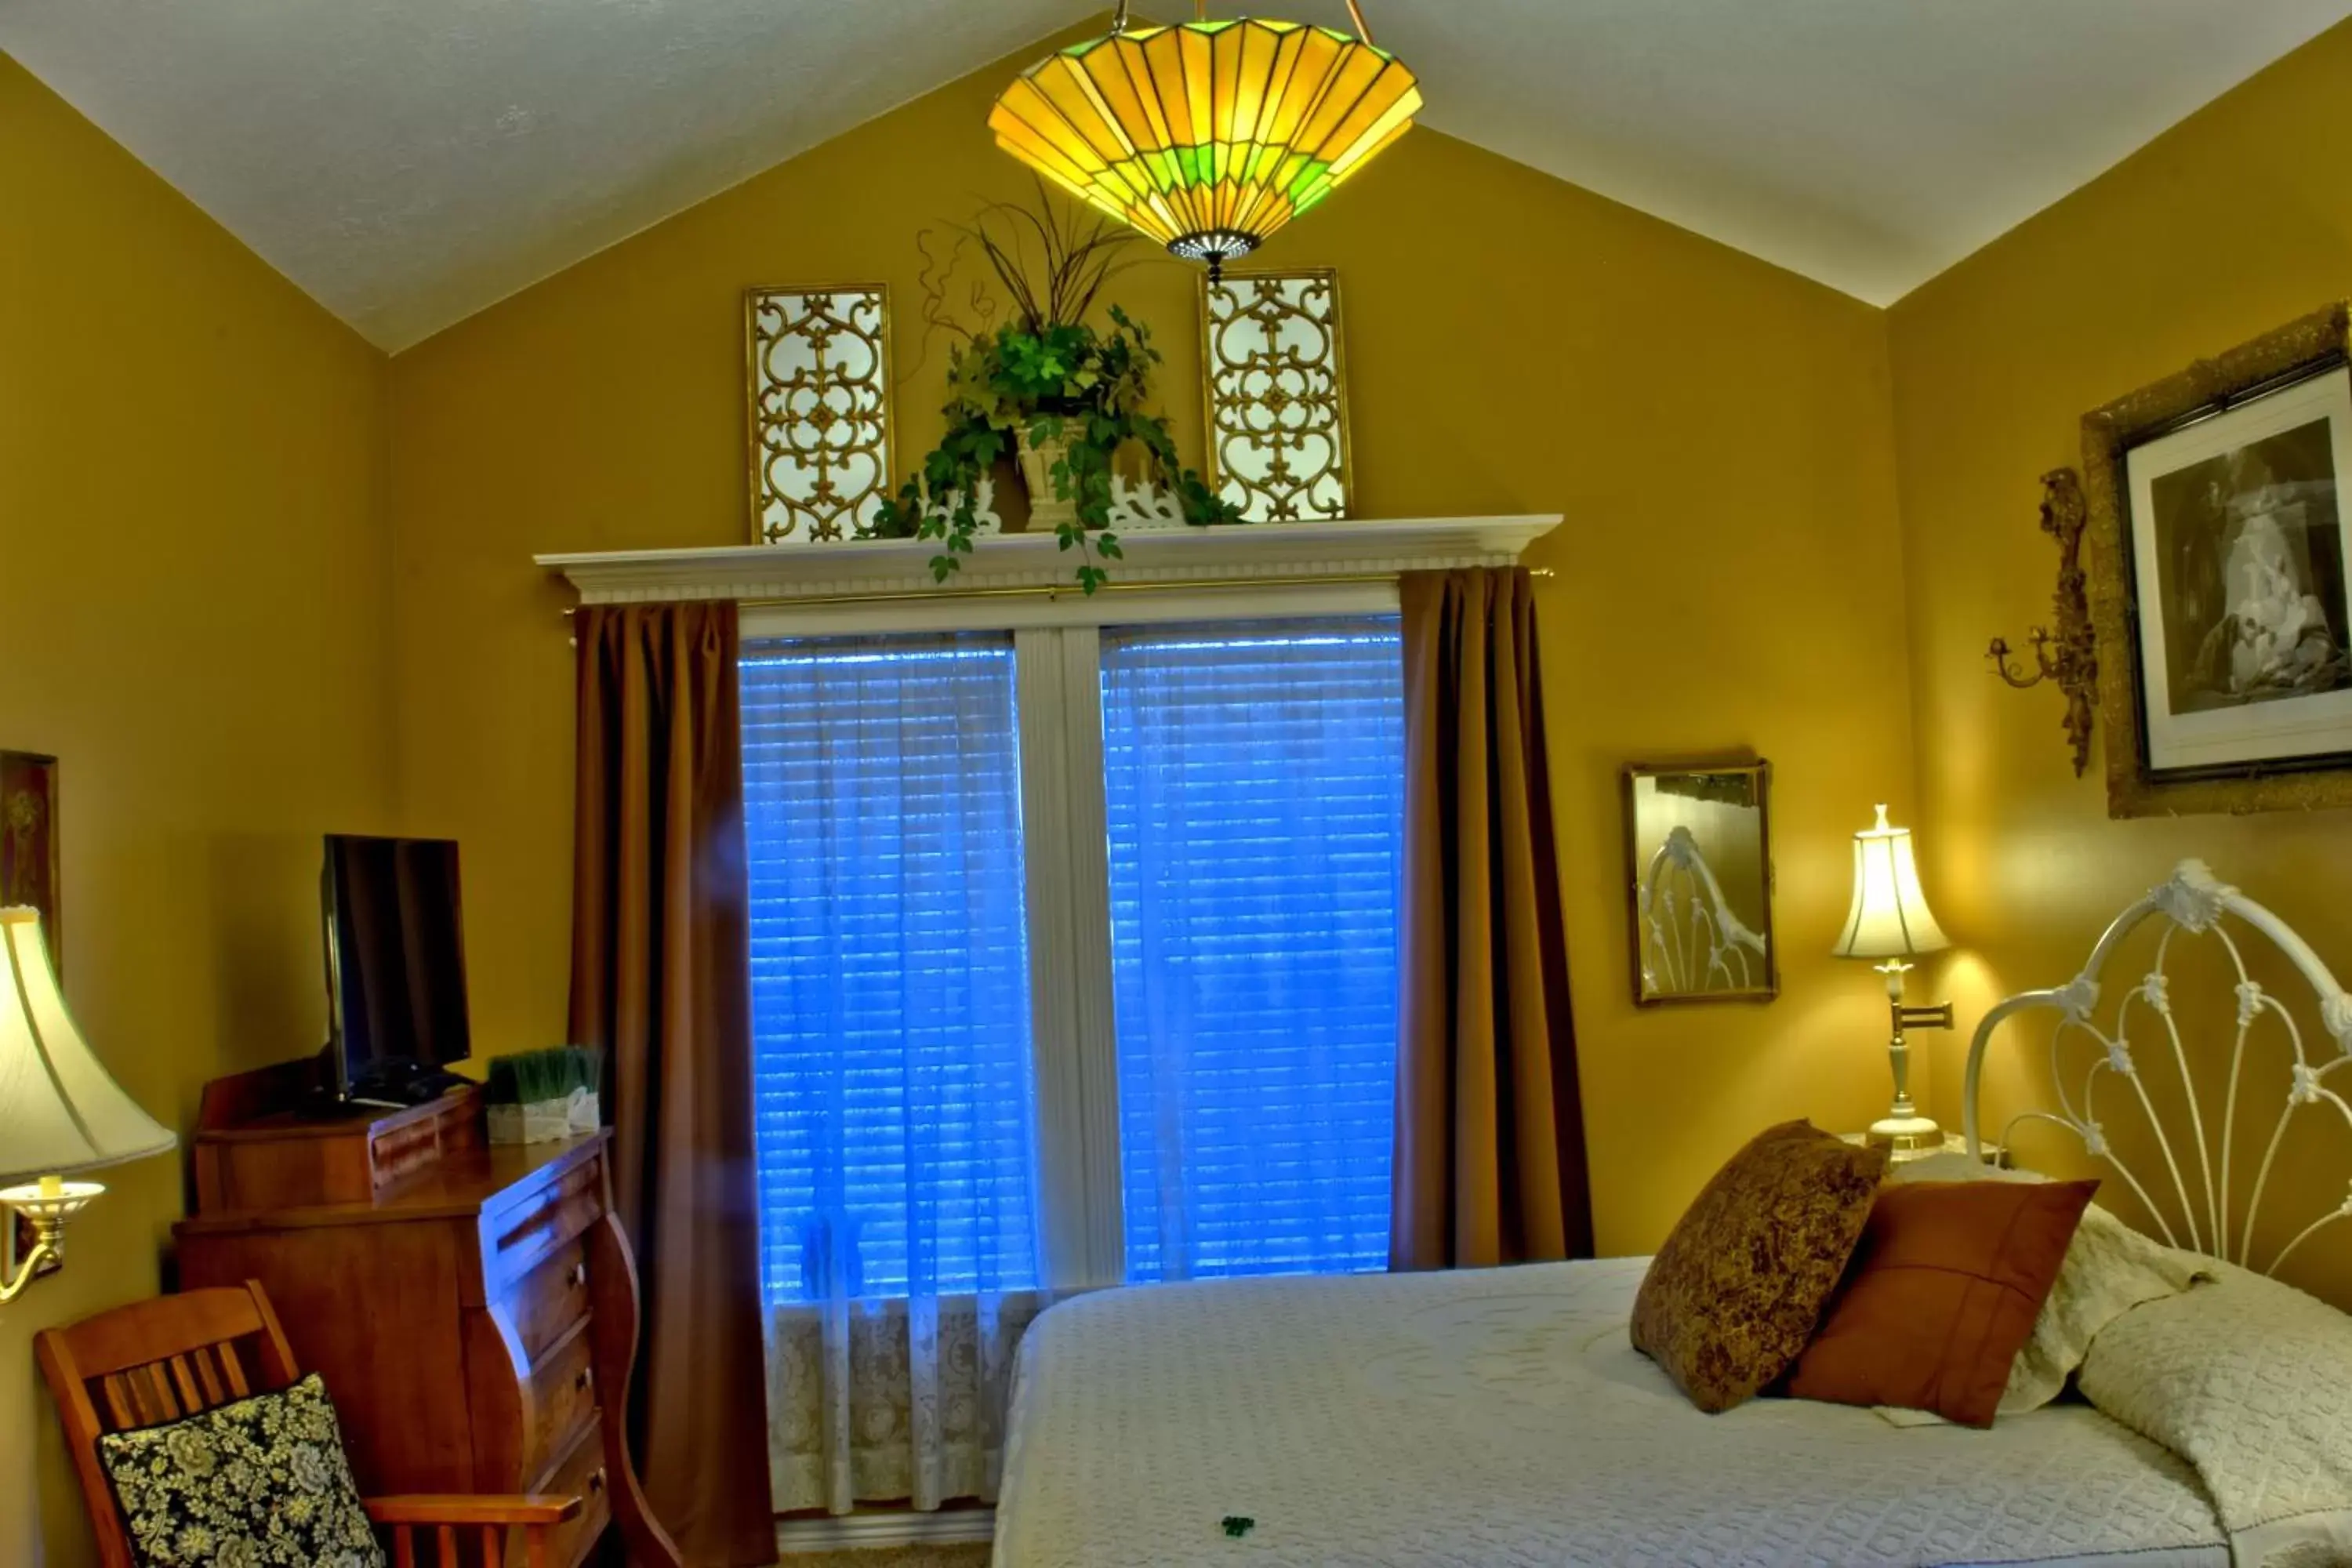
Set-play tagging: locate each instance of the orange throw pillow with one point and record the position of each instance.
(1736, 1291)
(1941, 1294)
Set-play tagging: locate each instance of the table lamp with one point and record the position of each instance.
(1890, 921)
(61, 1114)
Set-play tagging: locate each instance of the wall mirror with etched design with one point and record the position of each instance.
(1698, 850)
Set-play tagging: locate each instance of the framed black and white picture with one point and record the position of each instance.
(2221, 560)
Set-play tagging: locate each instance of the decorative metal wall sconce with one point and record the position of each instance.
(1277, 394)
(2069, 656)
(819, 394)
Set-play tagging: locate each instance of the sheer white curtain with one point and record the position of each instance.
(892, 1063)
(1253, 785)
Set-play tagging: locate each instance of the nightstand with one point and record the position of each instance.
(1954, 1143)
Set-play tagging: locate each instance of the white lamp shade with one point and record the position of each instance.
(59, 1112)
(1890, 918)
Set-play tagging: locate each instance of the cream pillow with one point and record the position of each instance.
(2109, 1269)
(2244, 1379)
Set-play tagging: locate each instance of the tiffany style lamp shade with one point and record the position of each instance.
(1207, 136)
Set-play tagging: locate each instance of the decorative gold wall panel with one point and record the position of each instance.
(819, 411)
(1277, 394)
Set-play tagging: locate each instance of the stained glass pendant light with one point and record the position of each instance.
(1208, 136)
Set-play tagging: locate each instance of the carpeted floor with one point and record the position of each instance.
(974, 1555)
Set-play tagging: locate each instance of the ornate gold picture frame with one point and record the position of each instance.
(817, 393)
(2218, 578)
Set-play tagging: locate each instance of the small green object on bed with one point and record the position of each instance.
(1239, 1524)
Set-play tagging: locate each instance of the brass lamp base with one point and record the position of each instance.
(1903, 1132)
(1906, 1135)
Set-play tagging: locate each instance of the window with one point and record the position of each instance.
(889, 990)
(1254, 780)
(962, 1092)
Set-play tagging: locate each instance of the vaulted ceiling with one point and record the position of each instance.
(410, 161)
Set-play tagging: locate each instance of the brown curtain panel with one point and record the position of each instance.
(1490, 1162)
(661, 982)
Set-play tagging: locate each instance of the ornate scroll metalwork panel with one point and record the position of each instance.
(819, 411)
(2146, 1092)
(1277, 396)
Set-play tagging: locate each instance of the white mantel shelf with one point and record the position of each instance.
(1290, 551)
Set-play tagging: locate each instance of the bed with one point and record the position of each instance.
(1501, 1419)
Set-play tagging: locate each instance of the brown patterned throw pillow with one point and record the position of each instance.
(1734, 1294)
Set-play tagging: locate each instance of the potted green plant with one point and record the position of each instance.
(1050, 386)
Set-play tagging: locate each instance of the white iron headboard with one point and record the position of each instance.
(1690, 938)
(2197, 1161)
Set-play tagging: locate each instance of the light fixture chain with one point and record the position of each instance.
(1200, 14)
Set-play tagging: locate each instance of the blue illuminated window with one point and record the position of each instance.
(1251, 782)
(1254, 777)
(889, 969)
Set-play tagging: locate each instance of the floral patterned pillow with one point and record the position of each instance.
(255, 1484)
(1735, 1293)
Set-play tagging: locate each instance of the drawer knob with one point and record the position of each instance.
(585, 1381)
(596, 1481)
(577, 1275)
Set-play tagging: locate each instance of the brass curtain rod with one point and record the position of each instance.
(1052, 592)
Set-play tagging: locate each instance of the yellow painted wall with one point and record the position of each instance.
(2236, 221)
(1717, 431)
(194, 615)
(296, 595)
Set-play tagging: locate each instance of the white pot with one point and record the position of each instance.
(545, 1120)
(1047, 510)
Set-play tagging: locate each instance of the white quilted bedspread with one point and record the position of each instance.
(1500, 1419)
(2246, 1378)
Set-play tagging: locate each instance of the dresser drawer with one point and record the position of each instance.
(579, 1472)
(563, 1395)
(523, 1234)
(548, 1302)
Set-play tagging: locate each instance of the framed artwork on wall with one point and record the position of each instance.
(2220, 588)
(1274, 373)
(818, 410)
(29, 840)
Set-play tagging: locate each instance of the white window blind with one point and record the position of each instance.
(889, 972)
(1254, 777)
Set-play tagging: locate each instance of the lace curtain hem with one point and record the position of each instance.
(878, 1401)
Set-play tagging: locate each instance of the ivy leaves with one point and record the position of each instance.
(1063, 382)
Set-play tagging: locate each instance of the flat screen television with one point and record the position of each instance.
(395, 967)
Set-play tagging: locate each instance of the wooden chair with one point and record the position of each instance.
(174, 1356)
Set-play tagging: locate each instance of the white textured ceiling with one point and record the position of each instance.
(1866, 143)
(409, 161)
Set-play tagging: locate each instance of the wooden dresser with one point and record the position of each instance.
(474, 1315)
